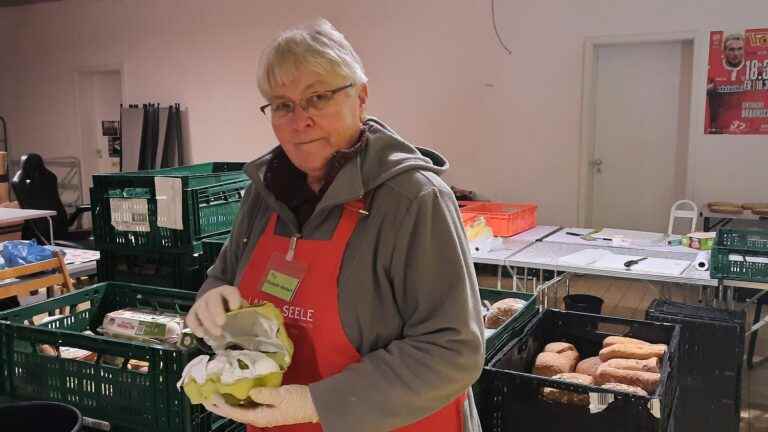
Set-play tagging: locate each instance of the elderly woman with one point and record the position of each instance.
(379, 294)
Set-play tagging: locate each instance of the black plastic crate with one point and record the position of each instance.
(510, 396)
(183, 271)
(710, 363)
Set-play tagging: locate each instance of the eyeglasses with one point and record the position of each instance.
(313, 104)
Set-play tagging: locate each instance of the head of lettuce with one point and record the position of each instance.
(253, 351)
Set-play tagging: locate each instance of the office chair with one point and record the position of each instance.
(36, 188)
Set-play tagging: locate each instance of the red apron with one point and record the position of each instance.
(312, 316)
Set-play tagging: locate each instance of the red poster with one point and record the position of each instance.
(737, 83)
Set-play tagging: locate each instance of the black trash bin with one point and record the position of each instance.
(583, 303)
(40, 417)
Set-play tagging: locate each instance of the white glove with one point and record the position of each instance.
(286, 405)
(208, 314)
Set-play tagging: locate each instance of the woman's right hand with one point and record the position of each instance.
(208, 314)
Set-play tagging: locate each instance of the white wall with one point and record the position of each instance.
(509, 124)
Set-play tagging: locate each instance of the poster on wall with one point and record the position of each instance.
(737, 83)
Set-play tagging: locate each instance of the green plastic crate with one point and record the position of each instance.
(211, 195)
(514, 327)
(755, 240)
(129, 401)
(183, 271)
(211, 249)
(740, 254)
(738, 265)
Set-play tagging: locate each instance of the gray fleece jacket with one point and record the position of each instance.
(408, 296)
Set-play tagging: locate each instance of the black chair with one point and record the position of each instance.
(36, 187)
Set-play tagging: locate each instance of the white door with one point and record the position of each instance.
(99, 99)
(641, 129)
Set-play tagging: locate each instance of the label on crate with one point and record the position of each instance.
(745, 258)
(169, 196)
(655, 407)
(599, 401)
(129, 214)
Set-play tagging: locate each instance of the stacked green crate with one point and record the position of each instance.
(149, 225)
(740, 254)
(106, 389)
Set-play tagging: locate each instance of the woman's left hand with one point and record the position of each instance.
(285, 405)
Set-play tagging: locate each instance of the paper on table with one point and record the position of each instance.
(650, 265)
(584, 257)
(637, 238)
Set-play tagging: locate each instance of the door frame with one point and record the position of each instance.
(589, 106)
(87, 69)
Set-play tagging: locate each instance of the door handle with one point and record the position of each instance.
(597, 164)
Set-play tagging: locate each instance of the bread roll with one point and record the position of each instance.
(565, 396)
(649, 365)
(589, 366)
(559, 347)
(47, 350)
(616, 340)
(573, 357)
(647, 381)
(503, 310)
(625, 388)
(632, 351)
(549, 364)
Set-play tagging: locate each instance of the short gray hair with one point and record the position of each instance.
(317, 46)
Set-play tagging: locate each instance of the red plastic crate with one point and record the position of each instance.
(505, 219)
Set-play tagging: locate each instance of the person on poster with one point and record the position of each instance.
(725, 85)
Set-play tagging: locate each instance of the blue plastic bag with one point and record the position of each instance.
(20, 252)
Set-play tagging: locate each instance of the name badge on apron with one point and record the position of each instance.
(284, 274)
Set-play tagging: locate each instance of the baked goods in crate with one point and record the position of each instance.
(633, 351)
(619, 340)
(647, 381)
(589, 366)
(567, 396)
(625, 388)
(557, 358)
(503, 310)
(649, 365)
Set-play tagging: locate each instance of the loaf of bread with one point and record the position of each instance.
(549, 364)
(649, 365)
(616, 340)
(632, 351)
(647, 381)
(565, 396)
(752, 206)
(501, 311)
(625, 388)
(589, 366)
(559, 347)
